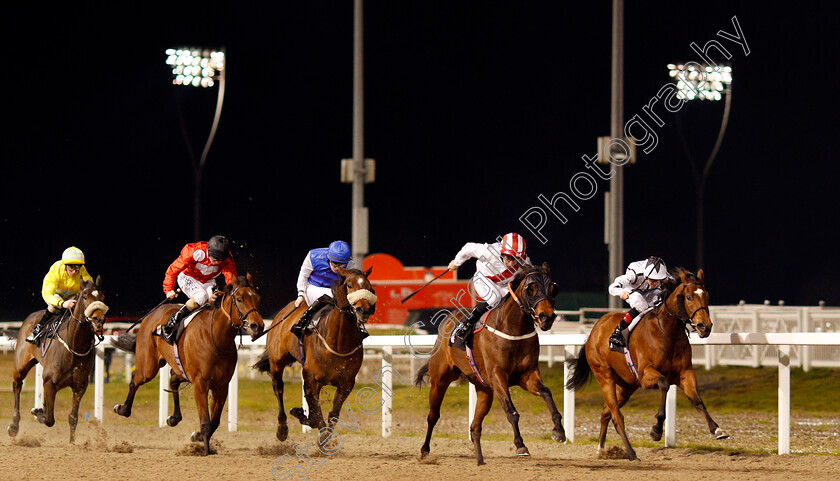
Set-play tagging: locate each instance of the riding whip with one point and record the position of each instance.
(424, 286)
(150, 311)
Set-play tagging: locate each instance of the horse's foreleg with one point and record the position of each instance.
(313, 397)
(175, 381)
(46, 416)
(217, 404)
(611, 404)
(656, 430)
(484, 399)
(73, 418)
(17, 384)
(341, 393)
(201, 391)
(279, 388)
(688, 383)
(439, 385)
(533, 383)
(501, 389)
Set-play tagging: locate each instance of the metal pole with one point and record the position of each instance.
(199, 169)
(359, 243)
(615, 199)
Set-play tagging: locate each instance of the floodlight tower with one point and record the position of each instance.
(196, 67)
(703, 82)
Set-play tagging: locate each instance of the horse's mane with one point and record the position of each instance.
(674, 280)
(242, 280)
(523, 272)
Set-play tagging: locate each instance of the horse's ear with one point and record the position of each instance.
(546, 268)
(682, 276)
(343, 272)
(700, 276)
(250, 279)
(367, 272)
(99, 281)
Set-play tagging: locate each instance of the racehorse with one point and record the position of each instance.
(506, 353)
(331, 355)
(205, 356)
(67, 357)
(660, 351)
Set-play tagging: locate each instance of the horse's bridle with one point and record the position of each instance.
(233, 305)
(350, 311)
(87, 320)
(529, 306)
(683, 315)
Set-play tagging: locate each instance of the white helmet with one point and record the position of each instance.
(655, 269)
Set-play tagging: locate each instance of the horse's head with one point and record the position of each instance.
(91, 305)
(356, 294)
(535, 293)
(689, 302)
(244, 304)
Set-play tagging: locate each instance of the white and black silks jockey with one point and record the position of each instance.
(496, 264)
(641, 286)
(318, 274)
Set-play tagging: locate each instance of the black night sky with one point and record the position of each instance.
(472, 109)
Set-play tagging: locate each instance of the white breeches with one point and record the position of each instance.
(313, 293)
(198, 291)
(488, 290)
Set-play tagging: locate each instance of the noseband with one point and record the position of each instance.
(88, 321)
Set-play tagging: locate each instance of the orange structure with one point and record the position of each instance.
(393, 282)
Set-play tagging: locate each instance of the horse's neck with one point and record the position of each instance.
(339, 329)
(76, 334)
(222, 326)
(510, 319)
(667, 321)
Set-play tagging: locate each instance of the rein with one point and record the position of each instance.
(86, 321)
(683, 315)
(528, 308)
(230, 317)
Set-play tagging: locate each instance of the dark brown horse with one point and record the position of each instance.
(660, 351)
(333, 351)
(206, 353)
(506, 353)
(67, 357)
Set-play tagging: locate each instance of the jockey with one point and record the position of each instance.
(496, 265)
(62, 282)
(196, 270)
(318, 273)
(641, 286)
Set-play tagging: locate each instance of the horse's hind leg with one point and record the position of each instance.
(484, 399)
(439, 385)
(533, 383)
(688, 383)
(17, 384)
(174, 383)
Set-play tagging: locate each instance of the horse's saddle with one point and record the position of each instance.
(320, 314)
(182, 326)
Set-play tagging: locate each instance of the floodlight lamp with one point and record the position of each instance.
(195, 67)
(703, 82)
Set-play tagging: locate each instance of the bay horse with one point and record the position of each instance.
(506, 353)
(330, 356)
(67, 357)
(660, 350)
(206, 353)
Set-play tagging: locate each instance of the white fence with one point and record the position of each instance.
(420, 345)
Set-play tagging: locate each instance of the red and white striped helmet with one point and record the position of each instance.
(513, 245)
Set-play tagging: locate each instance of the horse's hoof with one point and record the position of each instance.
(423, 454)
(559, 436)
(172, 421)
(13, 430)
(36, 411)
(196, 437)
(720, 434)
(282, 432)
(522, 452)
(480, 462)
(655, 434)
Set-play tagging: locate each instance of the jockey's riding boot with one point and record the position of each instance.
(172, 323)
(304, 320)
(37, 330)
(465, 327)
(617, 337)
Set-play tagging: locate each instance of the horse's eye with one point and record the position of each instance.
(238, 299)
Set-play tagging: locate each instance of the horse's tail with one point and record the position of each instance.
(581, 372)
(125, 341)
(421, 374)
(262, 364)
